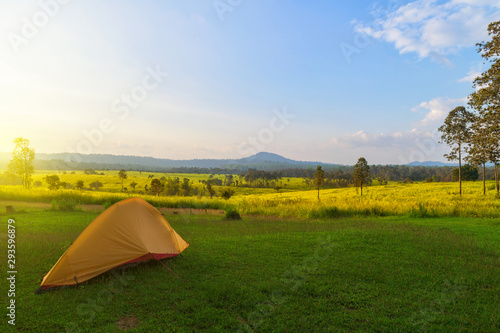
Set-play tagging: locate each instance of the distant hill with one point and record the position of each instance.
(431, 164)
(266, 157)
(273, 161)
(262, 161)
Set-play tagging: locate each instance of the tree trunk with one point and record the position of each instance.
(361, 189)
(496, 177)
(460, 168)
(318, 192)
(484, 178)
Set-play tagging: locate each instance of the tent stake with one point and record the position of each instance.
(171, 271)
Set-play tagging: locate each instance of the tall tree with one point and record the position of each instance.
(156, 187)
(479, 150)
(469, 173)
(456, 133)
(210, 189)
(22, 163)
(186, 187)
(361, 173)
(229, 180)
(53, 181)
(486, 98)
(79, 184)
(122, 175)
(319, 178)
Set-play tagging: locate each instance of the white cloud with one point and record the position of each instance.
(434, 112)
(418, 144)
(432, 28)
(437, 109)
(474, 72)
(381, 140)
(396, 148)
(471, 75)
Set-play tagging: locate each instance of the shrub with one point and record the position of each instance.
(226, 193)
(422, 211)
(64, 204)
(232, 214)
(327, 213)
(110, 202)
(334, 212)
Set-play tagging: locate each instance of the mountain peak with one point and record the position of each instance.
(267, 157)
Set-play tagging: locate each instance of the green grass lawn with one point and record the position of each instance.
(391, 274)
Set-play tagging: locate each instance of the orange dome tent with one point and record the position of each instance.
(130, 231)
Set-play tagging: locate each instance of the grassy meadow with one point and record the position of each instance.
(111, 182)
(401, 258)
(259, 274)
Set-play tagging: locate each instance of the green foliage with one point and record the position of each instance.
(210, 189)
(156, 187)
(333, 212)
(110, 202)
(172, 186)
(229, 180)
(486, 137)
(456, 131)
(421, 210)
(186, 187)
(22, 163)
(361, 173)
(260, 178)
(53, 182)
(468, 173)
(96, 185)
(89, 172)
(319, 177)
(232, 214)
(65, 204)
(122, 175)
(79, 185)
(226, 193)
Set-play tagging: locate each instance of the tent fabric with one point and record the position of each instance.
(129, 231)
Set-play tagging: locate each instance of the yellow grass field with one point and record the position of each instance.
(294, 200)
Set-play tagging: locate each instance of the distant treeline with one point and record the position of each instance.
(64, 165)
(383, 173)
(343, 176)
(338, 175)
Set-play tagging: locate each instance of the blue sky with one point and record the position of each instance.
(325, 81)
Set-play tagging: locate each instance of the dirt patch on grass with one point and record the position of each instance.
(93, 208)
(194, 211)
(126, 323)
(20, 205)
